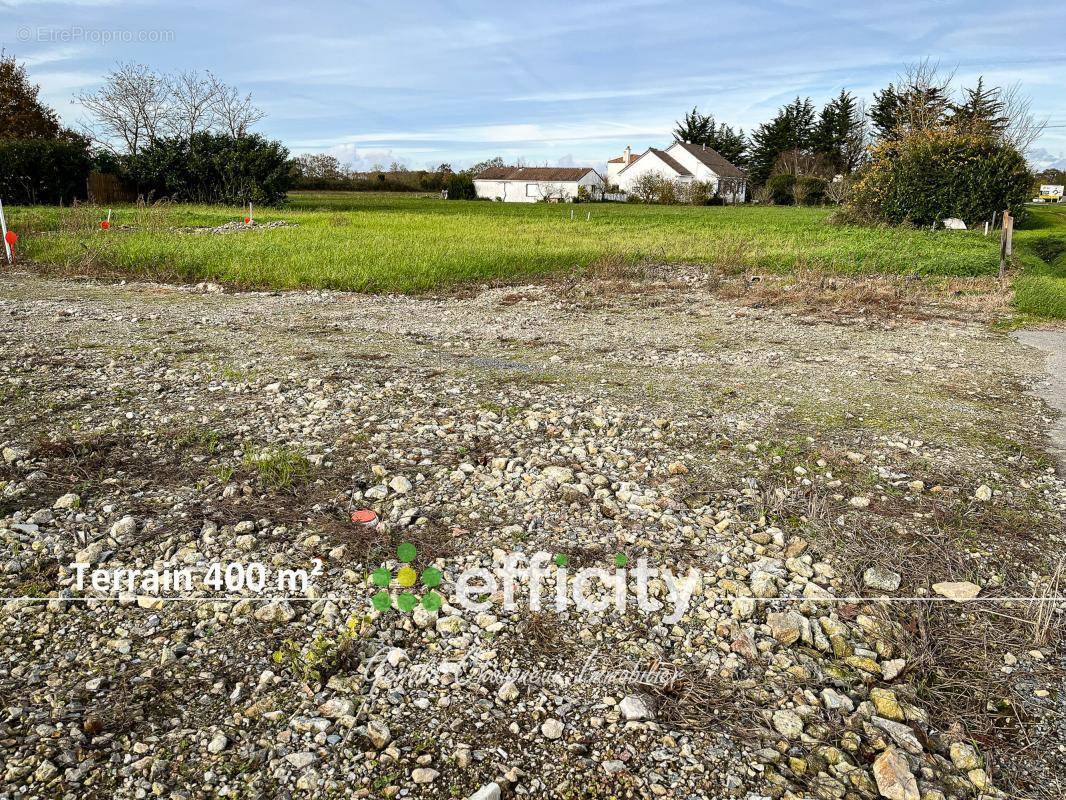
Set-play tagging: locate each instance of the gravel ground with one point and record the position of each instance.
(835, 479)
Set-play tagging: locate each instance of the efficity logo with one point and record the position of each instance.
(406, 578)
(546, 578)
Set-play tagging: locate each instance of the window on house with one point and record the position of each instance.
(532, 190)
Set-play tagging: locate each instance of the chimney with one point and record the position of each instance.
(625, 157)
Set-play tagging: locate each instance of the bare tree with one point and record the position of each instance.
(235, 114)
(132, 108)
(1022, 127)
(193, 98)
(550, 191)
(927, 95)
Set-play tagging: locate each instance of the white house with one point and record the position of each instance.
(685, 163)
(616, 165)
(530, 184)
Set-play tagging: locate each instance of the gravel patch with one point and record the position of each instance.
(819, 475)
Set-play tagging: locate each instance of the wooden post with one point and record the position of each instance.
(1004, 245)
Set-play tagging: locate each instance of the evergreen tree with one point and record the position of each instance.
(839, 135)
(791, 130)
(695, 128)
(885, 112)
(22, 115)
(981, 110)
(702, 129)
(922, 103)
(730, 144)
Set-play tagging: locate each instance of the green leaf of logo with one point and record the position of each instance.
(431, 577)
(406, 602)
(406, 552)
(432, 602)
(381, 577)
(620, 559)
(381, 601)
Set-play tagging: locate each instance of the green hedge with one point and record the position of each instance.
(931, 175)
(212, 168)
(781, 188)
(43, 171)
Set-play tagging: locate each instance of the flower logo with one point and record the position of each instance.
(406, 578)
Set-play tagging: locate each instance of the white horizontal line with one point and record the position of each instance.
(302, 598)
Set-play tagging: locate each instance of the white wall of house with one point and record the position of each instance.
(531, 191)
(730, 190)
(648, 163)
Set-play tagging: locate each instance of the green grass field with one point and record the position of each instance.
(1040, 245)
(410, 243)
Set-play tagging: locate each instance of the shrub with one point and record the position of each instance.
(213, 168)
(840, 191)
(930, 175)
(781, 188)
(809, 190)
(654, 188)
(461, 187)
(43, 171)
(695, 193)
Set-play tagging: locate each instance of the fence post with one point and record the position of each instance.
(1004, 245)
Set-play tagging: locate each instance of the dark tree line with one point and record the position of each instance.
(801, 140)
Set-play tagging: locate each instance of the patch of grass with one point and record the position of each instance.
(1040, 245)
(278, 468)
(390, 242)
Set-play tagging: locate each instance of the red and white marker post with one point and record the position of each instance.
(10, 237)
(248, 219)
(106, 224)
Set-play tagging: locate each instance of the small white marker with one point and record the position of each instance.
(588, 218)
(571, 215)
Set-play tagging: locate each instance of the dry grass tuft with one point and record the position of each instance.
(829, 295)
(696, 701)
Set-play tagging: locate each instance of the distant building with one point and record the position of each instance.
(684, 163)
(530, 184)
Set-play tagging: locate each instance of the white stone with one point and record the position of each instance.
(959, 591)
(552, 729)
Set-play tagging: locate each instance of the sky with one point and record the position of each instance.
(437, 81)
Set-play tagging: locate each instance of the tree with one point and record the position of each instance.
(921, 102)
(927, 175)
(791, 129)
(131, 109)
(193, 102)
(137, 106)
(481, 166)
(697, 128)
(22, 115)
(839, 137)
(234, 114)
(213, 168)
(885, 112)
(317, 167)
(980, 110)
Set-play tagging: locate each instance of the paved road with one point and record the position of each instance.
(1053, 389)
